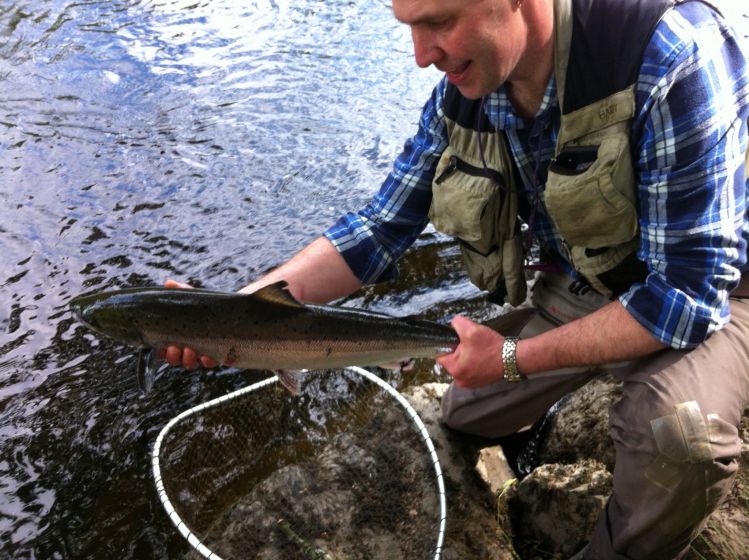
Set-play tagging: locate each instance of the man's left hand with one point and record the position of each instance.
(477, 361)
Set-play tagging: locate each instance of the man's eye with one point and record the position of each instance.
(440, 23)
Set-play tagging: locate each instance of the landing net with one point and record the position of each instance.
(343, 470)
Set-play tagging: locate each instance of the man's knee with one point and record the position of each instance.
(675, 464)
(463, 414)
(503, 408)
(484, 412)
(450, 412)
(669, 436)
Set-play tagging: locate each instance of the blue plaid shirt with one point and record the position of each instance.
(690, 136)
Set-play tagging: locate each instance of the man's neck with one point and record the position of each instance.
(526, 89)
(526, 99)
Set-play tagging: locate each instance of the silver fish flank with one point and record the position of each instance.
(267, 329)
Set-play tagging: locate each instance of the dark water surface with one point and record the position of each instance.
(205, 140)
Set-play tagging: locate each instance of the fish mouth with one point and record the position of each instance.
(87, 319)
(78, 307)
(80, 304)
(84, 309)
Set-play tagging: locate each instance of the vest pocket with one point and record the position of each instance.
(465, 204)
(594, 208)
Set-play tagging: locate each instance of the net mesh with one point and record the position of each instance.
(342, 470)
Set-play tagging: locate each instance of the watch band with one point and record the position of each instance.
(509, 360)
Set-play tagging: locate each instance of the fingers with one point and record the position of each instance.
(476, 361)
(174, 284)
(189, 358)
(186, 357)
(449, 361)
(177, 356)
(173, 355)
(208, 362)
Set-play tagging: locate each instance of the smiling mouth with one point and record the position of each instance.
(457, 71)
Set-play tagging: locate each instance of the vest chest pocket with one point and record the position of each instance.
(592, 203)
(475, 205)
(466, 202)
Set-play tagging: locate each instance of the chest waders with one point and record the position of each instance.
(590, 192)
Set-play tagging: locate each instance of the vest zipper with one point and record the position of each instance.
(456, 164)
(452, 166)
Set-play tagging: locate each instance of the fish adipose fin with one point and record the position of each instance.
(277, 293)
(512, 322)
(148, 365)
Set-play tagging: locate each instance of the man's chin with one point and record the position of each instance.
(470, 93)
(473, 92)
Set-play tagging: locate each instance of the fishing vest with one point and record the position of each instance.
(590, 193)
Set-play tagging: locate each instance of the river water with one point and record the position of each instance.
(204, 140)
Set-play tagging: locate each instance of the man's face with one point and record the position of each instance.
(477, 43)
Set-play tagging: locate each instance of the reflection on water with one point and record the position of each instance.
(206, 140)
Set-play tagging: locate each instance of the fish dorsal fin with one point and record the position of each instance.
(277, 293)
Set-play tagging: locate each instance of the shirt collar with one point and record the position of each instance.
(502, 115)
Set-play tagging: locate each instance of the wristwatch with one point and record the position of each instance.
(509, 360)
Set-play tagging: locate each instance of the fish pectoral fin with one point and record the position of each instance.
(148, 365)
(277, 293)
(290, 378)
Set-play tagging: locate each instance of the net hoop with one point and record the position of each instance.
(207, 552)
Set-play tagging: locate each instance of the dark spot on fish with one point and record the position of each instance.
(329, 351)
(231, 357)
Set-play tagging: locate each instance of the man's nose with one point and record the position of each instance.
(426, 51)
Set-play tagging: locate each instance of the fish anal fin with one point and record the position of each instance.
(277, 293)
(406, 364)
(291, 379)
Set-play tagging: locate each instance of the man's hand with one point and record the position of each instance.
(187, 357)
(477, 361)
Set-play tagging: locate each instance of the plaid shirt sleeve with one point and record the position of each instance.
(691, 127)
(372, 239)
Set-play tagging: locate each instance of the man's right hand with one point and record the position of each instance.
(186, 357)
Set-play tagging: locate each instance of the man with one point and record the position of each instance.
(617, 130)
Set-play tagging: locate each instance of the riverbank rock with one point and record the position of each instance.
(555, 508)
(472, 529)
(578, 428)
(549, 514)
(552, 511)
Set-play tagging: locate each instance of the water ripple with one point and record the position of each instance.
(140, 139)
